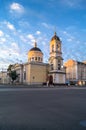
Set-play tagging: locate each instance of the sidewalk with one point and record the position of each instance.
(37, 86)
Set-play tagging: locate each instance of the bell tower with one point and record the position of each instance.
(56, 61)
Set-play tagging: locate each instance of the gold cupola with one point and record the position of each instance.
(35, 54)
(55, 44)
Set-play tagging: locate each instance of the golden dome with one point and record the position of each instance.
(35, 54)
(35, 48)
(55, 37)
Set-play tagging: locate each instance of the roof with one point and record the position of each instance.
(35, 49)
(55, 37)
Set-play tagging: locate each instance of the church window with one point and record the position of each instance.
(59, 64)
(35, 58)
(58, 47)
(38, 58)
(32, 59)
(51, 66)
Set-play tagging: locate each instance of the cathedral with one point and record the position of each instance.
(35, 71)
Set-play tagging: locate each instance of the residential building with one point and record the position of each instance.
(75, 72)
(4, 79)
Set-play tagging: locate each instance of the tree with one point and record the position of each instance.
(12, 73)
(9, 68)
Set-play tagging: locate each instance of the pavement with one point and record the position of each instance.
(44, 108)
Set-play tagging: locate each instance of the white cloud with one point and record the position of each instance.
(11, 43)
(38, 32)
(2, 40)
(23, 38)
(69, 40)
(64, 32)
(1, 33)
(31, 37)
(15, 46)
(10, 26)
(68, 35)
(3, 53)
(16, 7)
(15, 50)
(24, 24)
(7, 36)
(45, 25)
(73, 3)
(48, 26)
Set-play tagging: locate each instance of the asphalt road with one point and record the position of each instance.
(43, 108)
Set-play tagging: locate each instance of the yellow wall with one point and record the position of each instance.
(36, 73)
(69, 63)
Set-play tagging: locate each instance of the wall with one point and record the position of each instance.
(37, 73)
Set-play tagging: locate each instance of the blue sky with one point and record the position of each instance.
(24, 21)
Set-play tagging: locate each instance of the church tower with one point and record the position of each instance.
(57, 71)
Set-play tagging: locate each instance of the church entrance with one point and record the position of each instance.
(50, 80)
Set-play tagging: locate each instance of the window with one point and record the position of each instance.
(52, 48)
(38, 58)
(35, 58)
(32, 59)
(59, 64)
(58, 47)
(24, 75)
(51, 66)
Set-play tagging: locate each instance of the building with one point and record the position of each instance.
(57, 70)
(35, 71)
(4, 79)
(75, 72)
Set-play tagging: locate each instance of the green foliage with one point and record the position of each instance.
(12, 73)
(9, 68)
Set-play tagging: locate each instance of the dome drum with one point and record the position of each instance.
(35, 54)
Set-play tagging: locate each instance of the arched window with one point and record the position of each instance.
(51, 66)
(38, 58)
(59, 64)
(58, 47)
(32, 59)
(52, 48)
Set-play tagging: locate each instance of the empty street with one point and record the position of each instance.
(42, 108)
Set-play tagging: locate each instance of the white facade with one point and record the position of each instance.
(56, 61)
